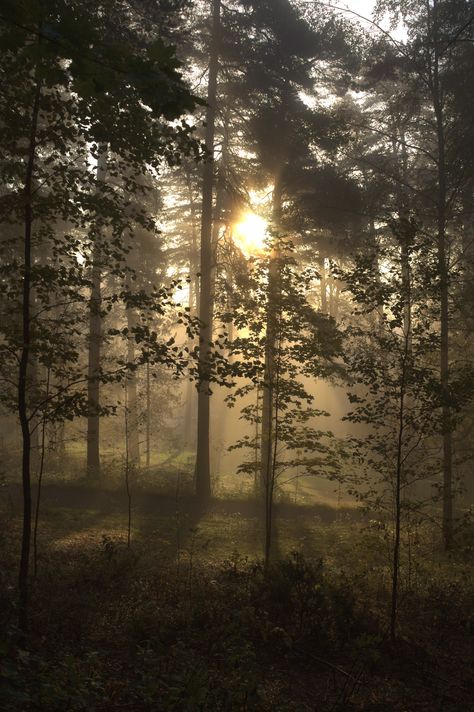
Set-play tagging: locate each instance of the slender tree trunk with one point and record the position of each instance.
(407, 345)
(32, 378)
(23, 368)
(398, 490)
(148, 416)
(190, 391)
(128, 466)
(203, 473)
(375, 318)
(268, 390)
(219, 424)
(258, 459)
(132, 399)
(443, 269)
(268, 378)
(95, 339)
(401, 158)
(40, 483)
(266, 449)
(271, 483)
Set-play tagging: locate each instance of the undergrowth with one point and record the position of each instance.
(119, 629)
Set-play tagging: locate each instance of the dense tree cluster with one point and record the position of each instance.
(138, 140)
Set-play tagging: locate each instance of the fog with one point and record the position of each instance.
(236, 355)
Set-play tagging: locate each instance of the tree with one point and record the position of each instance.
(389, 350)
(276, 356)
(95, 338)
(203, 474)
(429, 64)
(266, 57)
(77, 93)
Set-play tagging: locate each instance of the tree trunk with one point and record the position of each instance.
(219, 424)
(33, 380)
(128, 467)
(268, 390)
(190, 391)
(133, 445)
(403, 404)
(398, 488)
(266, 448)
(258, 458)
(40, 483)
(203, 473)
(270, 490)
(148, 416)
(403, 238)
(23, 369)
(95, 338)
(443, 270)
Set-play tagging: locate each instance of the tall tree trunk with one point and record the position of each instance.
(266, 448)
(403, 238)
(23, 368)
(271, 483)
(258, 442)
(268, 390)
(33, 379)
(133, 434)
(40, 483)
(372, 247)
(443, 270)
(95, 338)
(219, 424)
(190, 391)
(148, 416)
(398, 483)
(128, 467)
(203, 472)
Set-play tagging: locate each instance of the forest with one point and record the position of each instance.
(236, 355)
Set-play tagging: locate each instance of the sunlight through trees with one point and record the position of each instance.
(236, 355)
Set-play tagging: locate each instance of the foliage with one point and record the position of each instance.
(385, 354)
(130, 629)
(116, 96)
(307, 344)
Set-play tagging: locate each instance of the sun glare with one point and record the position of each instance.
(249, 234)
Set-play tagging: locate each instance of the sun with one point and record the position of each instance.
(249, 234)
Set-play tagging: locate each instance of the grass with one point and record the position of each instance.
(187, 619)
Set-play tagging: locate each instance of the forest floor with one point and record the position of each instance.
(186, 619)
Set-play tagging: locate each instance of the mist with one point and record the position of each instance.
(236, 355)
